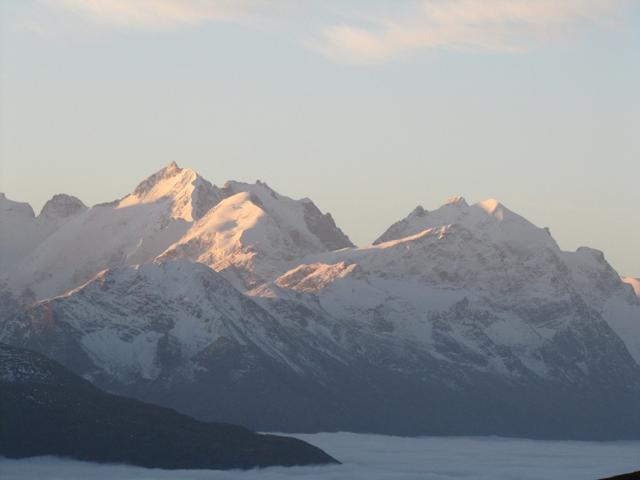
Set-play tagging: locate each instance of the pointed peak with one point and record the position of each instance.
(490, 205)
(497, 209)
(172, 168)
(148, 183)
(62, 205)
(490, 217)
(457, 201)
(192, 196)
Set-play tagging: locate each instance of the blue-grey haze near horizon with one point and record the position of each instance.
(378, 457)
(537, 106)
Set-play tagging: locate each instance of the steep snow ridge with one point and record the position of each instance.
(634, 282)
(314, 277)
(488, 217)
(307, 226)
(255, 233)
(239, 235)
(191, 196)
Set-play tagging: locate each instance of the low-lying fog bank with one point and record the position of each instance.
(377, 457)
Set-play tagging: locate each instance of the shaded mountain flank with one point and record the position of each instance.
(47, 410)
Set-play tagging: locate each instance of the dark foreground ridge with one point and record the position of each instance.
(47, 410)
(625, 476)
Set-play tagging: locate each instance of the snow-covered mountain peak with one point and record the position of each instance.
(491, 206)
(230, 236)
(244, 228)
(222, 232)
(488, 218)
(191, 196)
(136, 229)
(634, 282)
(303, 216)
(62, 206)
(150, 183)
(256, 232)
(455, 201)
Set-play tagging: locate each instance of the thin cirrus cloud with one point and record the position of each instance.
(161, 14)
(464, 25)
(370, 37)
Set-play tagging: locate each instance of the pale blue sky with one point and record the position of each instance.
(367, 107)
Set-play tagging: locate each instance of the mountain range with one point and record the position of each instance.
(239, 304)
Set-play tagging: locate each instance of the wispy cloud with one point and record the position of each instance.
(161, 14)
(468, 25)
(367, 36)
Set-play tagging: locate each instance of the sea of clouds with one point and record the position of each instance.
(378, 457)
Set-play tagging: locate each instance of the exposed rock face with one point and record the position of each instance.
(324, 227)
(62, 206)
(47, 410)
